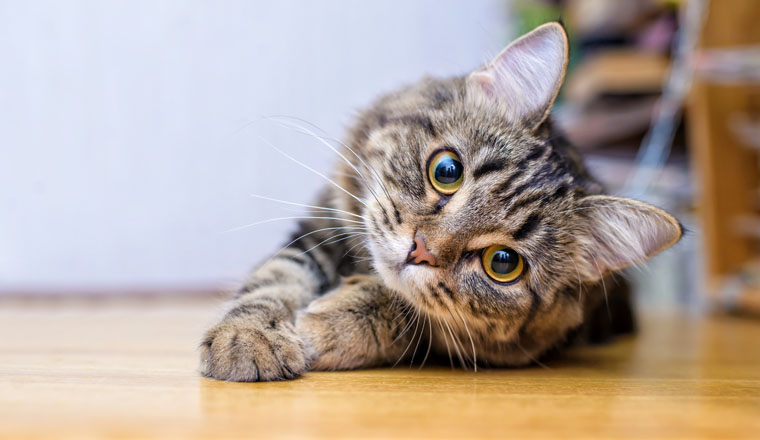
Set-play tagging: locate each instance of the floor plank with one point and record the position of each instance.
(128, 370)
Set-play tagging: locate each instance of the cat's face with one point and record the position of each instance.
(491, 202)
(477, 212)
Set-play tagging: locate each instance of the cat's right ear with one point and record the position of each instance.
(617, 232)
(525, 78)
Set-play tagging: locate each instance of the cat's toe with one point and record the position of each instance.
(244, 349)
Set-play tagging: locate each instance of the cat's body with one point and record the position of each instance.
(404, 262)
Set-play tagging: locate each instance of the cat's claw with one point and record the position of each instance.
(245, 349)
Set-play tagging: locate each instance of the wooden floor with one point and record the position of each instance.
(128, 370)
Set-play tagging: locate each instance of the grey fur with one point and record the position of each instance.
(524, 187)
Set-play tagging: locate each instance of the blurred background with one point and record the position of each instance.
(133, 133)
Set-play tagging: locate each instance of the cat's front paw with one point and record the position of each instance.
(326, 343)
(351, 327)
(248, 349)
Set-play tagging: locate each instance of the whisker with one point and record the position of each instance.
(315, 231)
(291, 218)
(474, 354)
(394, 297)
(404, 304)
(366, 165)
(358, 179)
(327, 241)
(446, 340)
(352, 248)
(302, 236)
(304, 130)
(448, 308)
(416, 324)
(430, 339)
(532, 359)
(456, 346)
(308, 206)
(409, 323)
(405, 308)
(332, 182)
(422, 332)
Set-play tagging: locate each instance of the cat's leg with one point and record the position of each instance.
(359, 324)
(256, 339)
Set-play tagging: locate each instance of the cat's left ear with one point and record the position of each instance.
(619, 232)
(527, 75)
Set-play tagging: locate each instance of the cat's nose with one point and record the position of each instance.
(419, 253)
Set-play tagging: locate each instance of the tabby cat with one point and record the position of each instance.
(481, 237)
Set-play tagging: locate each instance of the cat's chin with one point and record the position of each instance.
(407, 279)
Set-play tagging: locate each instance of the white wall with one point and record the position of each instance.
(122, 159)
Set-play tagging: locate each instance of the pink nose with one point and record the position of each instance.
(419, 253)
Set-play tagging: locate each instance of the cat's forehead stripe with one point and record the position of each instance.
(491, 166)
(507, 184)
(414, 120)
(516, 205)
(530, 225)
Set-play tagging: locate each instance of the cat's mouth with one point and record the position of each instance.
(406, 277)
(404, 261)
(417, 276)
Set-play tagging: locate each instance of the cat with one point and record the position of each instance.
(459, 224)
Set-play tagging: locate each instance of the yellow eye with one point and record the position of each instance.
(445, 172)
(502, 264)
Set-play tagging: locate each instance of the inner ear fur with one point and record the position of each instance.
(525, 78)
(620, 232)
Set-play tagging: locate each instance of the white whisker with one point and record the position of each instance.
(304, 130)
(352, 248)
(456, 346)
(422, 332)
(307, 206)
(366, 165)
(430, 339)
(474, 354)
(409, 323)
(327, 241)
(416, 325)
(332, 182)
(291, 218)
(446, 340)
(532, 359)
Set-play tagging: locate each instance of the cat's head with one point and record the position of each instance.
(478, 212)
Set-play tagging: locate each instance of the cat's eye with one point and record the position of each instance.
(502, 264)
(445, 172)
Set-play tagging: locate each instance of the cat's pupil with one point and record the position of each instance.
(448, 171)
(504, 261)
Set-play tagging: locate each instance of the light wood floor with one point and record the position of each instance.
(128, 370)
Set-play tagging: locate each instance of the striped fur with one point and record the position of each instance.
(337, 302)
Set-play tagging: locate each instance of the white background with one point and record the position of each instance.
(125, 149)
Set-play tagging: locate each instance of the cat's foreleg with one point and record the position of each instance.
(359, 324)
(256, 339)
